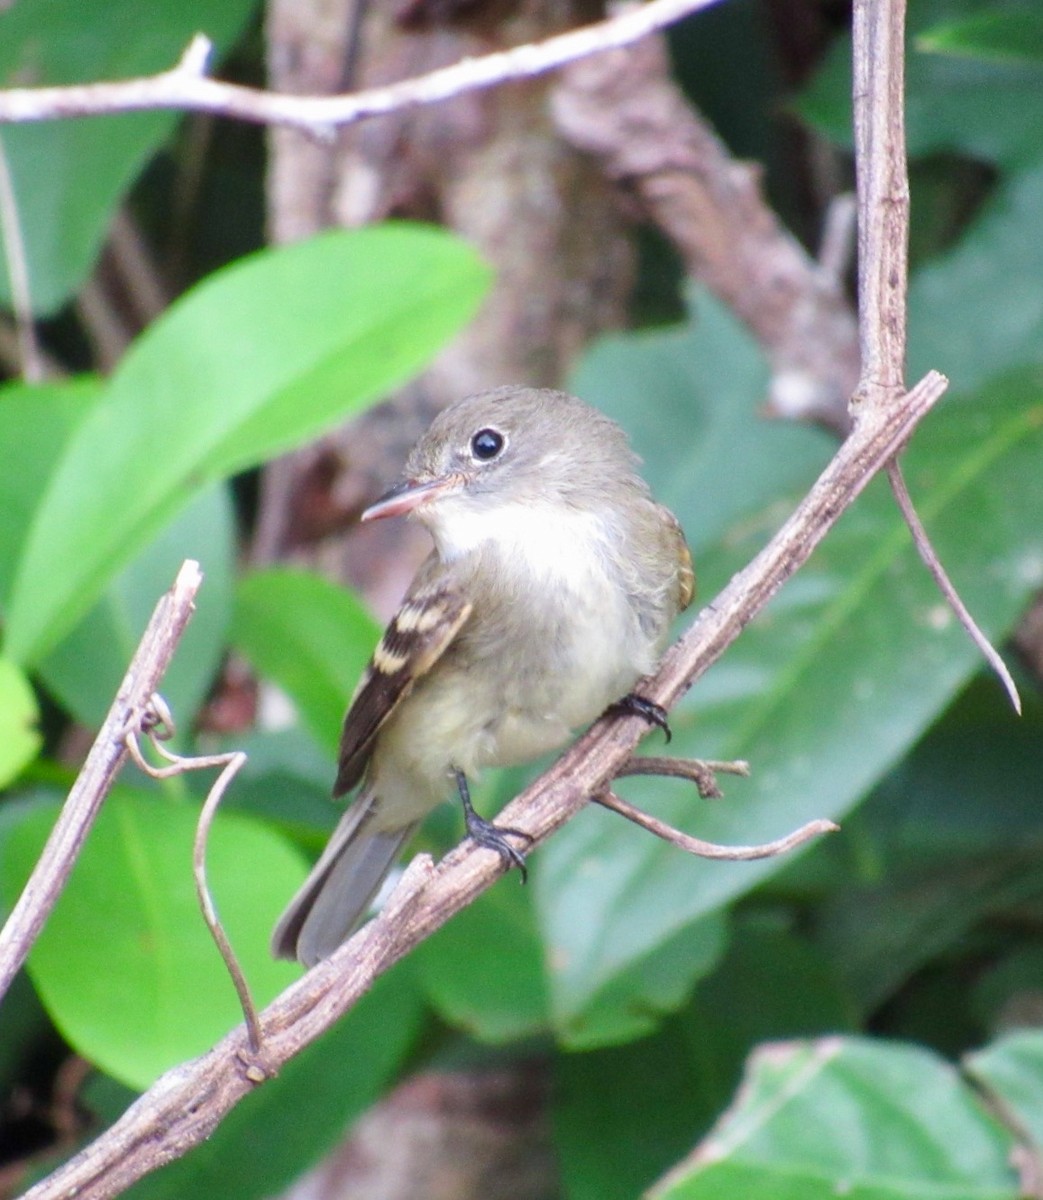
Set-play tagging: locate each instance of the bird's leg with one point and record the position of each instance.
(486, 834)
(633, 705)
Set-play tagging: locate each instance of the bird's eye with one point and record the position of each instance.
(487, 444)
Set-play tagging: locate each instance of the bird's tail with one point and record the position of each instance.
(333, 899)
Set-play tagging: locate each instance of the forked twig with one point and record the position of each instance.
(702, 772)
(158, 726)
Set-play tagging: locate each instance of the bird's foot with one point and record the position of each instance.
(633, 705)
(492, 837)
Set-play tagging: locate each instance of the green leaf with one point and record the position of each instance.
(85, 670)
(310, 637)
(998, 258)
(952, 836)
(318, 329)
(944, 108)
(484, 970)
(279, 1130)
(870, 1121)
(125, 965)
(770, 984)
(1001, 35)
(69, 175)
(1011, 1073)
(824, 692)
(19, 739)
(36, 420)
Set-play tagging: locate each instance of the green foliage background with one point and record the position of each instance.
(895, 962)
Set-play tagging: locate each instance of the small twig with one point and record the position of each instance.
(104, 761)
(694, 845)
(158, 726)
(184, 87)
(945, 584)
(702, 772)
(32, 363)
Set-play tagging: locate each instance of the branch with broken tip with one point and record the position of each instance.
(702, 772)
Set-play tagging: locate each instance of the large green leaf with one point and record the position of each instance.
(310, 637)
(261, 356)
(998, 257)
(848, 1117)
(1011, 1073)
(484, 970)
(125, 965)
(69, 175)
(821, 694)
(650, 1100)
(85, 670)
(35, 422)
(944, 95)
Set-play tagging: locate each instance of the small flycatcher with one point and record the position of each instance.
(550, 591)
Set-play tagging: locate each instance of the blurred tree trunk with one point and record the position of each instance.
(490, 166)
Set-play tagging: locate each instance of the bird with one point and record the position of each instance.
(549, 593)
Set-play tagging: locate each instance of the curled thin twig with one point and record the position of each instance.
(158, 726)
(694, 845)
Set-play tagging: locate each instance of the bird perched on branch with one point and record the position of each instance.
(550, 591)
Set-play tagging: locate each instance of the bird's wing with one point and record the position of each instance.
(685, 567)
(419, 634)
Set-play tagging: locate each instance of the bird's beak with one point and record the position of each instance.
(407, 497)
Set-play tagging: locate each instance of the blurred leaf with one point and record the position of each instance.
(281, 1129)
(1002, 35)
(69, 175)
(86, 669)
(624, 1114)
(484, 970)
(824, 691)
(319, 327)
(125, 965)
(952, 836)
(19, 738)
(944, 108)
(870, 1121)
(35, 422)
(1010, 1072)
(651, 1099)
(310, 637)
(948, 329)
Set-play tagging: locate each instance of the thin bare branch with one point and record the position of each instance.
(883, 195)
(883, 241)
(945, 584)
(106, 757)
(185, 86)
(694, 845)
(187, 1103)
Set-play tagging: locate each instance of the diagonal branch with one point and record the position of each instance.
(186, 87)
(188, 1102)
(106, 757)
